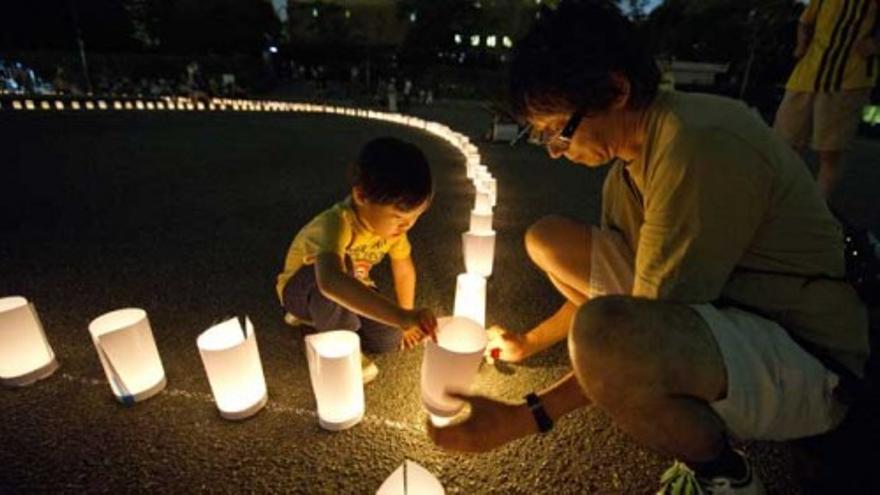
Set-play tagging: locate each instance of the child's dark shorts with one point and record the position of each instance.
(303, 299)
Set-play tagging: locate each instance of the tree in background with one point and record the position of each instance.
(211, 26)
(756, 37)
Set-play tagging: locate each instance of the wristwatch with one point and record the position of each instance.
(543, 420)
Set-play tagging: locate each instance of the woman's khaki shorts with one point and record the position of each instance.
(824, 121)
(775, 389)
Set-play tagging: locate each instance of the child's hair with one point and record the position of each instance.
(389, 171)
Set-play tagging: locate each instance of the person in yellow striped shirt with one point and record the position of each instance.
(837, 48)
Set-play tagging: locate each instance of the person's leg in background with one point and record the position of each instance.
(837, 118)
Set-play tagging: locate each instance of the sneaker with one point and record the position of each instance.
(369, 369)
(293, 321)
(681, 479)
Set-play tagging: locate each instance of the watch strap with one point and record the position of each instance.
(542, 419)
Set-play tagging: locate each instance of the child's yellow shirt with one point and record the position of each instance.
(338, 230)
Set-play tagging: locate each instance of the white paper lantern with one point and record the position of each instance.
(478, 249)
(337, 379)
(490, 185)
(482, 201)
(470, 297)
(473, 160)
(128, 353)
(411, 479)
(232, 362)
(481, 221)
(25, 354)
(451, 363)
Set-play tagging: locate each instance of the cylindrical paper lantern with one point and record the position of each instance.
(483, 201)
(25, 354)
(337, 379)
(479, 252)
(481, 221)
(490, 185)
(470, 297)
(411, 478)
(127, 350)
(232, 362)
(451, 363)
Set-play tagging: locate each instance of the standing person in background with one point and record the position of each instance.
(837, 48)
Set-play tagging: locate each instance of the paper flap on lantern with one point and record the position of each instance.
(421, 481)
(125, 352)
(394, 484)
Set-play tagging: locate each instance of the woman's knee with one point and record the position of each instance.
(599, 347)
(542, 238)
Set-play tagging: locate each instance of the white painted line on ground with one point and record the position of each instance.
(272, 407)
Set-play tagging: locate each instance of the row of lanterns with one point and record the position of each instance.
(128, 354)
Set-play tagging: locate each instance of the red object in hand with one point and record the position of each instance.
(495, 353)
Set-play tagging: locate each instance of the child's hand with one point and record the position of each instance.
(411, 338)
(424, 319)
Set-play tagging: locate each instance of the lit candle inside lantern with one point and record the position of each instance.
(337, 378)
(25, 354)
(470, 297)
(451, 363)
(59, 105)
(45, 105)
(139, 105)
(411, 478)
(232, 362)
(17, 105)
(74, 105)
(479, 252)
(127, 350)
(481, 221)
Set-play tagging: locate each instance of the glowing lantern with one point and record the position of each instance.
(139, 105)
(470, 297)
(29, 104)
(59, 105)
(488, 184)
(102, 104)
(483, 201)
(232, 362)
(151, 105)
(451, 364)
(479, 252)
(337, 379)
(16, 105)
(481, 221)
(160, 105)
(90, 105)
(45, 105)
(25, 354)
(128, 353)
(74, 105)
(128, 105)
(411, 478)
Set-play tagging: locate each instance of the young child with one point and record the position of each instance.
(326, 280)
